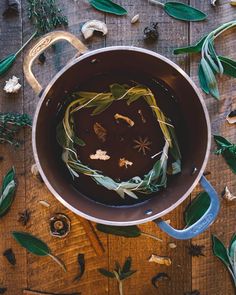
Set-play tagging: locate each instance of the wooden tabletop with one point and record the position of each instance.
(187, 273)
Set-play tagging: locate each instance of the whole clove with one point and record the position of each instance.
(151, 32)
(12, 8)
(10, 256)
(195, 250)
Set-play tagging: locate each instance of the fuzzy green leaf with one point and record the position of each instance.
(106, 273)
(196, 48)
(197, 208)
(125, 231)
(202, 80)
(183, 11)
(210, 79)
(227, 150)
(229, 66)
(7, 192)
(6, 63)
(220, 250)
(108, 6)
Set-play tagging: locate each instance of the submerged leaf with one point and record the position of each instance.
(196, 208)
(125, 231)
(227, 150)
(108, 6)
(183, 11)
(192, 48)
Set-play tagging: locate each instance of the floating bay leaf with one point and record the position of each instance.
(108, 6)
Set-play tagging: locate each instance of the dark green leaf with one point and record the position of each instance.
(124, 276)
(202, 80)
(220, 251)
(101, 108)
(108, 6)
(229, 66)
(106, 273)
(183, 11)
(117, 90)
(31, 243)
(6, 63)
(7, 192)
(127, 265)
(197, 208)
(192, 48)
(210, 79)
(232, 247)
(78, 141)
(118, 268)
(81, 263)
(125, 231)
(227, 150)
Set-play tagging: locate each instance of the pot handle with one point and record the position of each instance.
(43, 43)
(202, 224)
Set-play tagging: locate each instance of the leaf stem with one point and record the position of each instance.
(156, 2)
(151, 236)
(58, 261)
(26, 43)
(120, 287)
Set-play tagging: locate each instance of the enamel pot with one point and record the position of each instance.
(195, 129)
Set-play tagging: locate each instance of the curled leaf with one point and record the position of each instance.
(159, 277)
(81, 263)
(108, 6)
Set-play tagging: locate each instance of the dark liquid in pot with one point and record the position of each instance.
(120, 138)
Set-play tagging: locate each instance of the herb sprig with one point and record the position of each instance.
(211, 63)
(7, 191)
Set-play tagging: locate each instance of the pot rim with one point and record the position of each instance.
(43, 95)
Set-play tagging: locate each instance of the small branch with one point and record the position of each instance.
(156, 2)
(151, 236)
(58, 261)
(121, 288)
(26, 43)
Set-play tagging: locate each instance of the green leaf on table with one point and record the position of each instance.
(220, 250)
(183, 11)
(35, 246)
(232, 247)
(108, 6)
(7, 192)
(196, 208)
(106, 273)
(196, 48)
(124, 231)
(210, 79)
(227, 150)
(202, 80)
(6, 63)
(229, 66)
(127, 265)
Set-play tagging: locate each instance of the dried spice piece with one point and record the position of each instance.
(195, 250)
(226, 255)
(44, 203)
(124, 118)
(135, 19)
(151, 32)
(100, 131)
(100, 155)
(36, 246)
(59, 225)
(7, 191)
(24, 217)
(119, 273)
(10, 124)
(3, 290)
(172, 245)
(141, 116)
(35, 172)
(12, 85)
(213, 2)
(159, 277)
(42, 58)
(81, 263)
(227, 195)
(124, 163)
(231, 118)
(142, 145)
(160, 259)
(12, 9)
(92, 26)
(10, 256)
(195, 292)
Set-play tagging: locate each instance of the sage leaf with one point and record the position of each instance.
(127, 274)
(227, 150)
(183, 11)
(196, 48)
(220, 250)
(229, 66)
(108, 6)
(210, 79)
(127, 265)
(7, 192)
(124, 231)
(6, 63)
(196, 208)
(35, 246)
(202, 80)
(106, 273)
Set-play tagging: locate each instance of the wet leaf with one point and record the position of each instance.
(192, 48)
(196, 208)
(183, 11)
(108, 6)
(124, 231)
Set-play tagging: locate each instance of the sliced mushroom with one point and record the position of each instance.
(59, 225)
(227, 195)
(93, 25)
(160, 259)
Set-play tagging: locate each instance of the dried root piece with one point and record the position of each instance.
(125, 118)
(227, 195)
(12, 85)
(100, 131)
(231, 118)
(160, 260)
(93, 25)
(100, 155)
(124, 163)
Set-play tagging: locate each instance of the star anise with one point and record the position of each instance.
(142, 145)
(24, 217)
(195, 250)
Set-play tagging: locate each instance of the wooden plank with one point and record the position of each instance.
(11, 41)
(43, 273)
(205, 276)
(121, 32)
